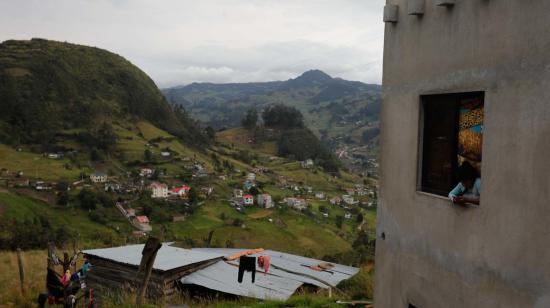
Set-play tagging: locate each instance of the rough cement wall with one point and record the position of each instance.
(435, 254)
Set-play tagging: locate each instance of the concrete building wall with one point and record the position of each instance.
(430, 253)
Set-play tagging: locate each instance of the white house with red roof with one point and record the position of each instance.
(159, 190)
(142, 219)
(180, 191)
(248, 200)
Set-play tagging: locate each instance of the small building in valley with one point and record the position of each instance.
(158, 190)
(98, 177)
(248, 200)
(265, 200)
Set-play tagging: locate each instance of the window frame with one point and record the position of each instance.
(423, 101)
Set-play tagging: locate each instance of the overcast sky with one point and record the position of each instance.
(182, 41)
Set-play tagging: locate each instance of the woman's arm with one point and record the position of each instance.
(457, 191)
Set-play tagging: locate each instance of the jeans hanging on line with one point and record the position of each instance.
(247, 264)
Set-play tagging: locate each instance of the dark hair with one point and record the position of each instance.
(467, 172)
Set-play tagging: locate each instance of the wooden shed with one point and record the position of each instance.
(118, 268)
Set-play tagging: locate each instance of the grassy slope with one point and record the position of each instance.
(76, 221)
(35, 164)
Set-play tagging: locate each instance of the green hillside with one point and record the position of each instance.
(47, 87)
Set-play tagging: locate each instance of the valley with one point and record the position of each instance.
(119, 166)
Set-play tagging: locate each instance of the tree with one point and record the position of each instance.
(147, 155)
(282, 116)
(254, 191)
(88, 199)
(360, 218)
(250, 119)
(63, 198)
(339, 221)
(193, 196)
(210, 133)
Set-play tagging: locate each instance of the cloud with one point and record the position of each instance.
(182, 41)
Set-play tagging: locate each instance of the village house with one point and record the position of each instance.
(54, 155)
(347, 216)
(306, 164)
(158, 190)
(142, 219)
(146, 172)
(349, 200)
(335, 201)
(180, 191)
(265, 200)
(248, 200)
(350, 191)
(296, 203)
(251, 177)
(442, 66)
(112, 186)
(320, 195)
(41, 186)
(98, 177)
(247, 186)
(207, 190)
(238, 193)
(165, 154)
(130, 212)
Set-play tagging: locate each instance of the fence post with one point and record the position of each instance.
(21, 270)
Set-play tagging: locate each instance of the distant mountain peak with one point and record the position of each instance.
(314, 75)
(308, 79)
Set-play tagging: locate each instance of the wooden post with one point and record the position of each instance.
(209, 240)
(21, 271)
(329, 292)
(51, 248)
(66, 262)
(149, 254)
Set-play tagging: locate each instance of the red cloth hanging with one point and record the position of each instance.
(263, 262)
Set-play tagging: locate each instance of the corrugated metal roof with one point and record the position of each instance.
(295, 267)
(168, 257)
(286, 274)
(222, 276)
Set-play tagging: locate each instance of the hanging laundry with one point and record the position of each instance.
(66, 278)
(247, 264)
(243, 253)
(263, 262)
(85, 268)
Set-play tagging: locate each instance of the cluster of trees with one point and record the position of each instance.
(296, 141)
(282, 117)
(362, 251)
